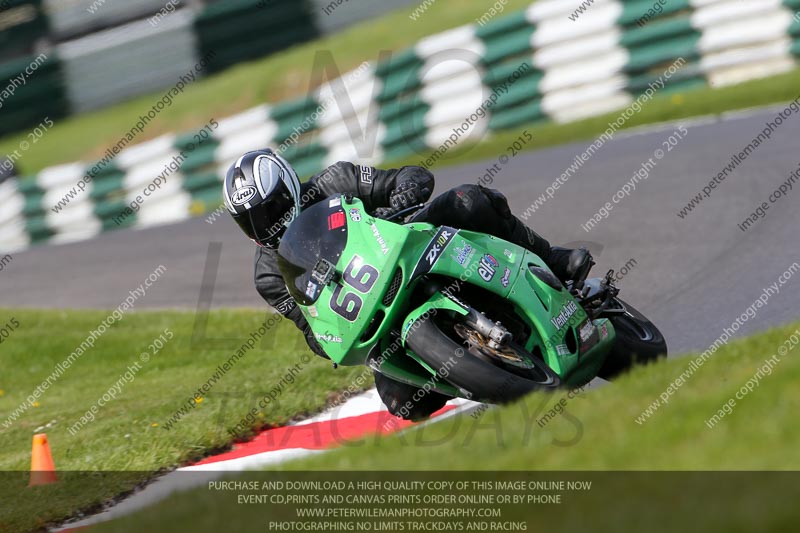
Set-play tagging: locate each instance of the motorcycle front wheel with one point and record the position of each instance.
(461, 355)
(638, 342)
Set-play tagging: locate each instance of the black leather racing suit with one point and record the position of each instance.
(469, 207)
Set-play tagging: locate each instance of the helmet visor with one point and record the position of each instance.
(266, 222)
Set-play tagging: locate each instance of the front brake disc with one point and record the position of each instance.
(479, 346)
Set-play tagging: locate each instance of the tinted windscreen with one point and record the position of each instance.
(320, 232)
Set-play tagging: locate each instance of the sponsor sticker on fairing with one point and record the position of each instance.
(463, 253)
(327, 337)
(487, 267)
(355, 215)
(604, 332)
(334, 202)
(433, 251)
(311, 289)
(562, 318)
(506, 277)
(336, 220)
(586, 331)
(379, 238)
(588, 338)
(456, 299)
(562, 349)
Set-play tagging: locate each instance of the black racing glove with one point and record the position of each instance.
(383, 212)
(406, 195)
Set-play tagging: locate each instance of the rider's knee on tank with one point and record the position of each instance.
(466, 204)
(488, 201)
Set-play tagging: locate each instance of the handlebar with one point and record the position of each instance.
(402, 213)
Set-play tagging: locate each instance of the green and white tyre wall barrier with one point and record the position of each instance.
(106, 67)
(541, 64)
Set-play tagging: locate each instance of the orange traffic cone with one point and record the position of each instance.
(43, 471)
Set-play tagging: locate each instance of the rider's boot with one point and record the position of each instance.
(567, 264)
(570, 264)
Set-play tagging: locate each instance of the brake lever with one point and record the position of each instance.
(603, 300)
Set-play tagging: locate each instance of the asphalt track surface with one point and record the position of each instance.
(693, 276)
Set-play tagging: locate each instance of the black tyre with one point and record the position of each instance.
(638, 342)
(487, 379)
(406, 401)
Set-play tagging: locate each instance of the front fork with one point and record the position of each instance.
(496, 335)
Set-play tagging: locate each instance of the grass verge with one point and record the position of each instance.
(128, 432)
(597, 432)
(600, 431)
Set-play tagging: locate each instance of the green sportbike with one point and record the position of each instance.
(459, 312)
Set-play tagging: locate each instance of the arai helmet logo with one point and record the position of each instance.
(243, 195)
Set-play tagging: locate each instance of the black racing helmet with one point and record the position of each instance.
(262, 194)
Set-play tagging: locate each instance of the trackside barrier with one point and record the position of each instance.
(536, 65)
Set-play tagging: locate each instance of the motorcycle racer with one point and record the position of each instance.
(263, 194)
